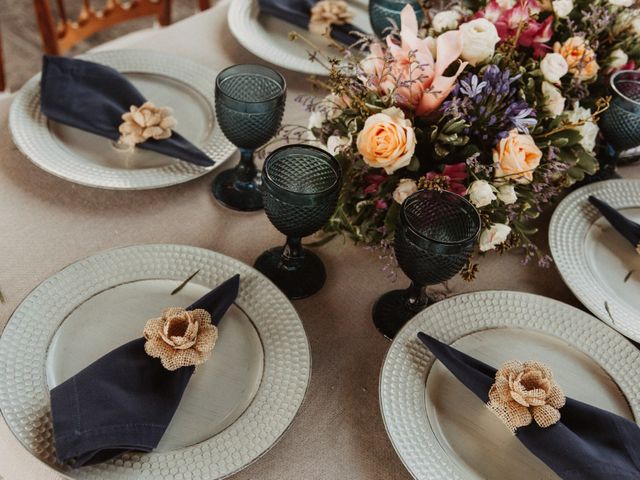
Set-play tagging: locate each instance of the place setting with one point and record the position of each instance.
(174, 350)
(84, 144)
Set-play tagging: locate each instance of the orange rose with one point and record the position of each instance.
(580, 58)
(387, 140)
(516, 157)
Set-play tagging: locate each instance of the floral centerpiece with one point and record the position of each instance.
(495, 101)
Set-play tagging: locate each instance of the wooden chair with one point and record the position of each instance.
(58, 37)
(3, 84)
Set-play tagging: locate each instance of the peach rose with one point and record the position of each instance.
(580, 58)
(516, 157)
(387, 140)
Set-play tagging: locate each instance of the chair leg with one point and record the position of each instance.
(164, 18)
(204, 4)
(47, 27)
(3, 84)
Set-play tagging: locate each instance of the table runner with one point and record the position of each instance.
(47, 223)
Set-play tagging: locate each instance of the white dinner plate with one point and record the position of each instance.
(600, 267)
(88, 159)
(267, 37)
(442, 431)
(236, 406)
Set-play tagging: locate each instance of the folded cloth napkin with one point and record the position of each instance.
(124, 400)
(626, 227)
(94, 97)
(587, 443)
(298, 12)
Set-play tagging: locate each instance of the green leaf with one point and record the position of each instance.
(414, 165)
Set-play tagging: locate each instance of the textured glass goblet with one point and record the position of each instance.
(250, 101)
(301, 185)
(380, 11)
(434, 238)
(620, 123)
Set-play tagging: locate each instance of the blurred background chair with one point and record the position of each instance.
(72, 27)
(3, 83)
(61, 33)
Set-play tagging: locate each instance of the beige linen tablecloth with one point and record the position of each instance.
(47, 223)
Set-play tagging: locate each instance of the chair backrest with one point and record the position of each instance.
(59, 36)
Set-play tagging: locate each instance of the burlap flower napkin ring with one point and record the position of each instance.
(524, 392)
(180, 337)
(145, 122)
(329, 12)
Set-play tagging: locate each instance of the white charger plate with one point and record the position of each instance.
(236, 406)
(268, 37)
(594, 259)
(88, 159)
(442, 431)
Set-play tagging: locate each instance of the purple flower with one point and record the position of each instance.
(490, 104)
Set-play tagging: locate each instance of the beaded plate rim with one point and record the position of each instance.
(31, 134)
(407, 364)
(567, 232)
(286, 375)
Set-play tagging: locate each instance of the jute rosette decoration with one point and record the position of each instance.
(144, 122)
(494, 100)
(180, 337)
(524, 392)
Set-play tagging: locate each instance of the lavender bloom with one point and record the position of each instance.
(490, 105)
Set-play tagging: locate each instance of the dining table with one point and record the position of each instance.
(46, 223)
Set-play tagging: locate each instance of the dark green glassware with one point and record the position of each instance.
(250, 102)
(434, 238)
(381, 11)
(301, 185)
(620, 123)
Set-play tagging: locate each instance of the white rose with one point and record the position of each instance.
(405, 187)
(506, 4)
(553, 67)
(336, 143)
(479, 39)
(315, 119)
(553, 99)
(636, 25)
(562, 8)
(495, 235)
(618, 58)
(507, 194)
(445, 20)
(588, 131)
(481, 193)
(621, 3)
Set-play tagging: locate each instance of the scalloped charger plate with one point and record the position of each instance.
(87, 159)
(236, 406)
(268, 37)
(441, 430)
(600, 267)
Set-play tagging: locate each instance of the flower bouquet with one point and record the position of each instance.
(495, 101)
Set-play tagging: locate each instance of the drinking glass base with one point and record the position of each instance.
(297, 282)
(233, 193)
(391, 311)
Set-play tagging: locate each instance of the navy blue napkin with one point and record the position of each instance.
(588, 443)
(124, 400)
(298, 12)
(626, 227)
(93, 97)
